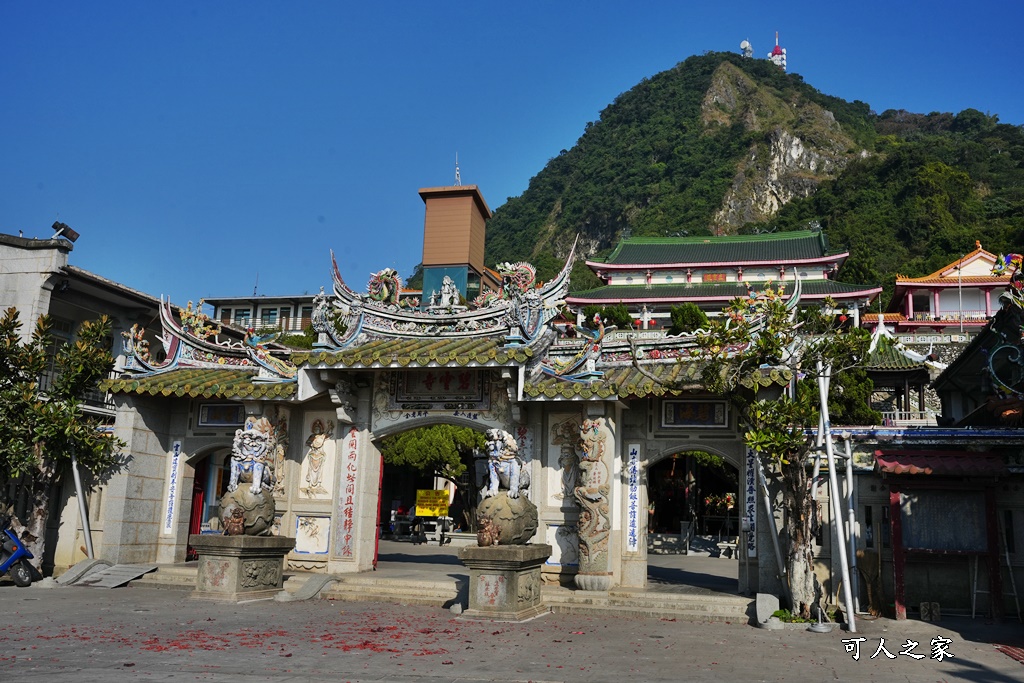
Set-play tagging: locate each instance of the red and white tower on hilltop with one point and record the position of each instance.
(778, 54)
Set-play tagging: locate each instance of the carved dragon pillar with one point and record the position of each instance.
(592, 495)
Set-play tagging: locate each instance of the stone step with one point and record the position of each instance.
(620, 602)
(649, 613)
(367, 588)
(179, 576)
(687, 606)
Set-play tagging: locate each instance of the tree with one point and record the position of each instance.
(755, 343)
(615, 314)
(756, 336)
(43, 427)
(687, 318)
(446, 451)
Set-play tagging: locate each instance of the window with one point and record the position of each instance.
(242, 317)
(286, 313)
(61, 333)
(694, 414)
(268, 317)
(668, 279)
(221, 415)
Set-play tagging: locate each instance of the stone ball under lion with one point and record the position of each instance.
(257, 511)
(506, 521)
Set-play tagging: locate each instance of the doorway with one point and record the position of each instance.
(693, 522)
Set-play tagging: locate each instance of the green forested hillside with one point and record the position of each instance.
(908, 192)
(932, 186)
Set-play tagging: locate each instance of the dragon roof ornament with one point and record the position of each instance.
(519, 312)
(194, 343)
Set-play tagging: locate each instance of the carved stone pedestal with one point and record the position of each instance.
(504, 581)
(239, 568)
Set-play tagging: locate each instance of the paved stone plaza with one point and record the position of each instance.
(87, 634)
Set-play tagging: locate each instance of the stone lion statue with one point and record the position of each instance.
(251, 456)
(504, 466)
(249, 510)
(504, 517)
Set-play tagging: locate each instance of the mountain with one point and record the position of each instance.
(721, 144)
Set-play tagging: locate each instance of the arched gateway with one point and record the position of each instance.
(589, 423)
(591, 410)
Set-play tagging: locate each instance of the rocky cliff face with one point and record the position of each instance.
(795, 145)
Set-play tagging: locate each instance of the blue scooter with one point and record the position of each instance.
(14, 557)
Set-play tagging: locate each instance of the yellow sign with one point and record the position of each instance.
(431, 503)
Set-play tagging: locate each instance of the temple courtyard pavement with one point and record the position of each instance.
(145, 632)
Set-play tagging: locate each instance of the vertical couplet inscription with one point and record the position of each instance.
(348, 505)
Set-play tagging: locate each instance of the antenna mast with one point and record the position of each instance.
(458, 177)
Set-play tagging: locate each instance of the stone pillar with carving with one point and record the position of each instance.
(592, 494)
(354, 520)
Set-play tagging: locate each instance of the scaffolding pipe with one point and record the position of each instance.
(815, 473)
(83, 512)
(851, 516)
(824, 375)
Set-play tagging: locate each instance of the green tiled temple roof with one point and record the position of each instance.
(722, 290)
(201, 383)
(673, 379)
(418, 352)
(885, 357)
(784, 246)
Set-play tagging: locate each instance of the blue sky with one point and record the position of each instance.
(200, 147)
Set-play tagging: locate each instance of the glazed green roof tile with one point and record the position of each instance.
(201, 383)
(620, 382)
(670, 379)
(717, 290)
(418, 352)
(784, 246)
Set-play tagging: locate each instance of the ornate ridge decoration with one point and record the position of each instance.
(519, 313)
(522, 276)
(582, 367)
(1007, 358)
(192, 343)
(385, 287)
(647, 354)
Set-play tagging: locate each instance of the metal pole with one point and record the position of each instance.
(83, 512)
(851, 530)
(823, 378)
(816, 472)
(960, 290)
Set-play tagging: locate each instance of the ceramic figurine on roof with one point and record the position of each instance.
(256, 345)
(1008, 263)
(385, 286)
(448, 299)
(582, 367)
(520, 277)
